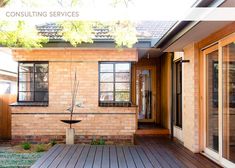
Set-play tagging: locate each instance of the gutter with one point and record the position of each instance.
(181, 28)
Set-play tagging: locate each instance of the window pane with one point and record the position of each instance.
(122, 77)
(41, 67)
(25, 96)
(41, 86)
(26, 67)
(106, 86)
(228, 113)
(122, 96)
(106, 96)
(41, 77)
(122, 67)
(212, 133)
(41, 96)
(26, 86)
(106, 67)
(122, 86)
(26, 77)
(106, 77)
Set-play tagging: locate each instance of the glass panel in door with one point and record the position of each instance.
(228, 115)
(144, 94)
(212, 117)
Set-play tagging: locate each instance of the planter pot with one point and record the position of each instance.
(70, 134)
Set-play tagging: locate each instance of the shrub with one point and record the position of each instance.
(53, 142)
(102, 141)
(26, 145)
(98, 142)
(40, 148)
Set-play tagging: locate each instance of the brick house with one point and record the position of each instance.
(107, 86)
(181, 84)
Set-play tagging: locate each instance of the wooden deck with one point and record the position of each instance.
(150, 152)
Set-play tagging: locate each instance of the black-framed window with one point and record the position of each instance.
(114, 83)
(33, 82)
(178, 89)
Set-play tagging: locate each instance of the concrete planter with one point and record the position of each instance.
(70, 134)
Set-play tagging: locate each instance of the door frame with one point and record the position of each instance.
(217, 46)
(179, 60)
(208, 151)
(152, 68)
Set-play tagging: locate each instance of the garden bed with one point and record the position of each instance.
(18, 157)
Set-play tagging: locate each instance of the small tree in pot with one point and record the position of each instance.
(70, 132)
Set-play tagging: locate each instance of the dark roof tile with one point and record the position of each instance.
(145, 30)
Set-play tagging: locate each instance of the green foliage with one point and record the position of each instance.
(101, 141)
(40, 148)
(53, 142)
(20, 34)
(124, 34)
(26, 145)
(77, 32)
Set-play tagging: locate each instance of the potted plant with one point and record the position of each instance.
(70, 132)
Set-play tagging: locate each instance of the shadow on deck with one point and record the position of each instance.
(150, 152)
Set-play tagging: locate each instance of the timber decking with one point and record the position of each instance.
(150, 152)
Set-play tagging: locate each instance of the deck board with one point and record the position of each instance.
(98, 157)
(121, 157)
(41, 160)
(150, 152)
(51, 157)
(105, 158)
(82, 159)
(67, 158)
(90, 157)
(60, 157)
(75, 157)
(113, 157)
(136, 158)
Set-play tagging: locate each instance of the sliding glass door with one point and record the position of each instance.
(228, 113)
(219, 107)
(212, 111)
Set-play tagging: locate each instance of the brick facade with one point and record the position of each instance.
(43, 123)
(191, 98)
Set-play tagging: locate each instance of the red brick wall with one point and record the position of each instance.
(35, 122)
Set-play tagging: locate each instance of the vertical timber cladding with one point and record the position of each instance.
(166, 90)
(5, 115)
(110, 122)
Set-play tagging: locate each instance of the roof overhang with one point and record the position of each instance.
(184, 32)
(198, 32)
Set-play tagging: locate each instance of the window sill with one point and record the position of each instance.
(124, 104)
(30, 104)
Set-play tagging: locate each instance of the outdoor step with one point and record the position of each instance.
(157, 131)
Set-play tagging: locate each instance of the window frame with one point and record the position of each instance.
(178, 116)
(114, 103)
(18, 81)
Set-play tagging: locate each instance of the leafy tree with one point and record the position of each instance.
(21, 34)
(77, 32)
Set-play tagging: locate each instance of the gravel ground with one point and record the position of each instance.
(11, 159)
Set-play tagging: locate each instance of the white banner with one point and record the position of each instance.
(110, 14)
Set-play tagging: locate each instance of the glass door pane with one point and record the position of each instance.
(212, 117)
(144, 94)
(228, 115)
